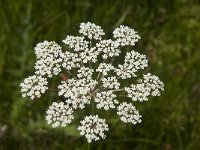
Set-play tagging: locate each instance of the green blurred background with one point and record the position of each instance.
(170, 31)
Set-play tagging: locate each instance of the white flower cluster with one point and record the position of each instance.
(85, 72)
(76, 43)
(70, 60)
(150, 85)
(77, 92)
(110, 82)
(59, 114)
(49, 60)
(109, 48)
(34, 86)
(93, 127)
(105, 68)
(132, 63)
(154, 84)
(106, 100)
(128, 113)
(89, 55)
(85, 80)
(126, 36)
(91, 30)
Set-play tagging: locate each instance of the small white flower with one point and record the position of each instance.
(150, 85)
(76, 43)
(48, 59)
(93, 128)
(106, 100)
(126, 35)
(89, 55)
(153, 83)
(128, 113)
(85, 72)
(138, 92)
(109, 48)
(91, 30)
(110, 82)
(59, 114)
(34, 86)
(132, 63)
(105, 68)
(78, 92)
(70, 60)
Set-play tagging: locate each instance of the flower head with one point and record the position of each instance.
(105, 68)
(77, 91)
(150, 85)
(126, 36)
(109, 48)
(110, 82)
(34, 86)
(128, 113)
(59, 114)
(106, 100)
(76, 43)
(93, 128)
(133, 62)
(90, 83)
(48, 59)
(91, 30)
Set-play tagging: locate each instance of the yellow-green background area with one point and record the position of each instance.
(170, 31)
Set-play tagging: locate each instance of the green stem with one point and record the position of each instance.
(117, 90)
(52, 89)
(90, 46)
(71, 74)
(88, 146)
(92, 106)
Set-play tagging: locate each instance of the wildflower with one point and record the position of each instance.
(106, 100)
(110, 82)
(126, 36)
(76, 43)
(105, 68)
(150, 85)
(132, 63)
(77, 91)
(34, 86)
(93, 127)
(109, 48)
(70, 60)
(128, 113)
(48, 59)
(91, 30)
(86, 81)
(85, 72)
(59, 114)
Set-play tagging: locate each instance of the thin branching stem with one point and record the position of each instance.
(122, 95)
(52, 89)
(90, 46)
(88, 146)
(71, 74)
(117, 90)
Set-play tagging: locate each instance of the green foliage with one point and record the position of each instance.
(170, 37)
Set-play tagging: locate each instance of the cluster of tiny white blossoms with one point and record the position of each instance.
(59, 114)
(128, 113)
(93, 127)
(88, 83)
(34, 86)
(49, 59)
